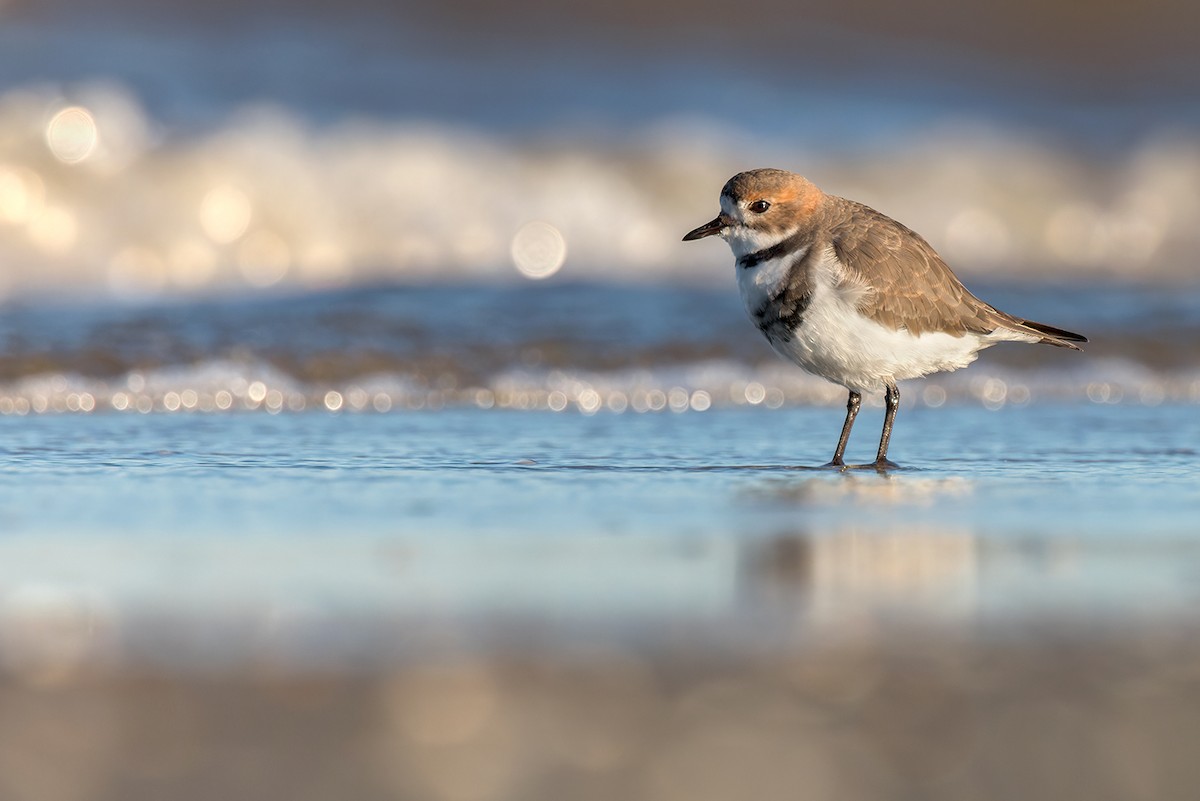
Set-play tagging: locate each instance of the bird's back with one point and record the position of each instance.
(911, 288)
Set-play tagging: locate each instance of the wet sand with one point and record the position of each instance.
(1042, 713)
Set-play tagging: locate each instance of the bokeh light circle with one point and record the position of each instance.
(72, 135)
(538, 250)
(225, 214)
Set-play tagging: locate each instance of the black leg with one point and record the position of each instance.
(892, 401)
(852, 404)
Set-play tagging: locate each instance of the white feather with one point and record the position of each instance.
(837, 341)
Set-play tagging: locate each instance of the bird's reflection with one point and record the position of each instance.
(846, 578)
(865, 489)
(869, 548)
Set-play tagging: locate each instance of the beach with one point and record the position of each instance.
(367, 431)
(477, 604)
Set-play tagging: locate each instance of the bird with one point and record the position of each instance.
(853, 296)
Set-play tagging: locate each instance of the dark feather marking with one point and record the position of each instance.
(775, 251)
(783, 311)
(1055, 336)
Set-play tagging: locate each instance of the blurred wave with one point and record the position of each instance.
(559, 346)
(151, 150)
(220, 386)
(95, 198)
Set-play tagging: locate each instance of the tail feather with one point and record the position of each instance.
(1054, 336)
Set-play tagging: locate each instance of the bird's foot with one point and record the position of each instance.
(879, 466)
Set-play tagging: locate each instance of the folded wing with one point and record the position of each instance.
(911, 288)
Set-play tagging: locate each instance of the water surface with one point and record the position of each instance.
(608, 526)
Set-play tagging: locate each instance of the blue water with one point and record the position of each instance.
(497, 523)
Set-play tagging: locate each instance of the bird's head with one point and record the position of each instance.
(760, 208)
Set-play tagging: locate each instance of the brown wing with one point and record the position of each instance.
(911, 287)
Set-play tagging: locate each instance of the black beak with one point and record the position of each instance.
(708, 229)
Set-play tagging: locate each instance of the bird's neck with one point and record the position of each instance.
(765, 267)
(788, 247)
(746, 242)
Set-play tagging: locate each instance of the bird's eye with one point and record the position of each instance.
(759, 206)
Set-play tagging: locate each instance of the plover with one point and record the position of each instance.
(853, 296)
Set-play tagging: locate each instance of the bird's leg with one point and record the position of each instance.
(892, 401)
(852, 404)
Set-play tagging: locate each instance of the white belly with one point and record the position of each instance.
(839, 344)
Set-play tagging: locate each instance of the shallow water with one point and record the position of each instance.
(578, 536)
(558, 346)
(301, 535)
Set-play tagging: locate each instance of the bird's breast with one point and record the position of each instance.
(777, 292)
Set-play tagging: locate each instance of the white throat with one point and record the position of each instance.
(744, 240)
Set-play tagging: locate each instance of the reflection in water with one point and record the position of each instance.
(867, 489)
(876, 550)
(840, 581)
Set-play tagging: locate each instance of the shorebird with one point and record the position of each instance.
(853, 296)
